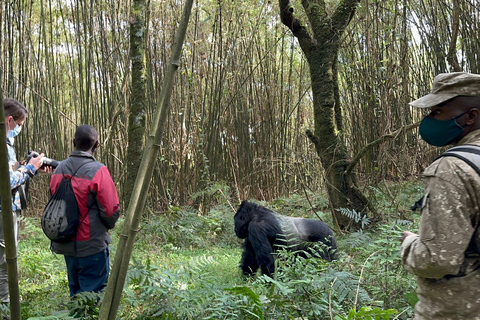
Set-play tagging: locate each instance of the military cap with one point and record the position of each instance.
(450, 85)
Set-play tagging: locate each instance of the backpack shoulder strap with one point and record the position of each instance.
(468, 152)
(471, 155)
(73, 174)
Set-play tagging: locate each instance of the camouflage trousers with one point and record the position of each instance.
(456, 298)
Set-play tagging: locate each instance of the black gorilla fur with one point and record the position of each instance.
(264, 230)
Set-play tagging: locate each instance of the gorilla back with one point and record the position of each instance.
(265, 231)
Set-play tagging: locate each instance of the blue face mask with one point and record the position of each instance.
(14, 132)
(440, 132)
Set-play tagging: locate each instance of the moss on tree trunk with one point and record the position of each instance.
(320, 45)
(136, 117)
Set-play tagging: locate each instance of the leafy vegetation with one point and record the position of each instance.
(185, 266)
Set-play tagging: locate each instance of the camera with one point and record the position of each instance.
(46, 161)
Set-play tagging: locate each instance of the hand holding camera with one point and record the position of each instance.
(39, 161)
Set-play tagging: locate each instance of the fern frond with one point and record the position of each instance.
(357, 239)
(202, 262)
(354, 215)
(345, 286)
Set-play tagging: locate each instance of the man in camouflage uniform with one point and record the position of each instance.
(445, 255)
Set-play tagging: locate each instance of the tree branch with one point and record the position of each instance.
(317, 16)
(343, 15)
(452, 48)
(374, 143)
(307, 43)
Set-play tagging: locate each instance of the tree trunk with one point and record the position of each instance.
(320, 47)
(7, 217)
(136, 118)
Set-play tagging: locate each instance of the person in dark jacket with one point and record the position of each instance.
(87, 255)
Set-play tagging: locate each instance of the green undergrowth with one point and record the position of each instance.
(185, 266)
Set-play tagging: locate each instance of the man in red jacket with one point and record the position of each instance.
(87, 256)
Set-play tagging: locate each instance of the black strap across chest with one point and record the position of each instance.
(468, 152)
(471, 155)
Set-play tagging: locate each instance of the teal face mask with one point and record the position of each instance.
(439, 133)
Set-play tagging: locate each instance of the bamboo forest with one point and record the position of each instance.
(298, 106)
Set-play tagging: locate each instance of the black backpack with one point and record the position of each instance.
(61, 216)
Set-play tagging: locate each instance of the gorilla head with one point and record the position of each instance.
(242, 219)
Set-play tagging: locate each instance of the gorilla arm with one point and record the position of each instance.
(261, 235)
(249, 261)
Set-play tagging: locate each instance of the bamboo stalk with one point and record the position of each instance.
(7, 216)
(136, 206)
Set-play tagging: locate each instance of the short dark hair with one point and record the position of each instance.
(85, 137)
(14, 109)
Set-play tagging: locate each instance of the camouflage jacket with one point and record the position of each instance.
(445, 255)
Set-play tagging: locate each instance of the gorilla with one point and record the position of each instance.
(265, 231)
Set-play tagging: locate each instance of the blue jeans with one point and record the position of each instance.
(88, 274)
